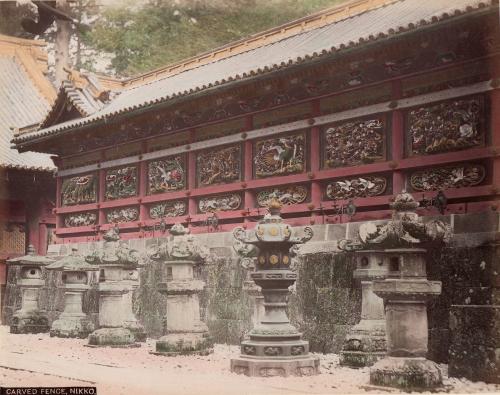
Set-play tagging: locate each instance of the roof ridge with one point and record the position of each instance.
(299, 26)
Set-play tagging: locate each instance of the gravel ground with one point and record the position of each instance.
(39, 360)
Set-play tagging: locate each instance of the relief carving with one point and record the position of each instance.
(80, 219)
(356, 187)
(165, 175)
(79, 190)
(121, 183)
(174, 208)
(292, 194)
(219, 203)
(120, 215)
(353, 143)
(280, 156)
(447, 126)
(219, 166)
(440, 178)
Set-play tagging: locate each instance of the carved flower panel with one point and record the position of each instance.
(173, 208)
(446, 126)
(354, 142)
(124, 214)
(167, 174)
(287, 195)
(439, 178)
(79, 190)
(280, 156)
(227, 202)
(121, 183)
(219, 166)
(80, 219)
(349, 188)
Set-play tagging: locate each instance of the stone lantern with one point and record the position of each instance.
(29, 318)
(184, 332)
(73, 322)
(365, 342)
(405, 291)
(118, 278)
(275, 347)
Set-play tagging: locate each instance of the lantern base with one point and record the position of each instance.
(406, 373)
(114, 337)
(260, 367)
(365, 344)
(191, 343)
(33, 321)
(137, 330)
(71, 326)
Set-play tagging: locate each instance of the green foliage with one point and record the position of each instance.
(163, 32)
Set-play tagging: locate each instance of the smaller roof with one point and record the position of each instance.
(72, 263)
(31, 259)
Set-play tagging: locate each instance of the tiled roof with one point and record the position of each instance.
(355, 30)
(21, 105)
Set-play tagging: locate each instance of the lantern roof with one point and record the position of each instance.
(31, 259)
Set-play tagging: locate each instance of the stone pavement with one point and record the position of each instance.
(39, 360)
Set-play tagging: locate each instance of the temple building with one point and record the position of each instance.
(332, 115)
(27, 183)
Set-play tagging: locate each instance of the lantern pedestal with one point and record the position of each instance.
(73, 322)
(405, 299)
(185, 333)
(114, 307)
(275, 347)
(365, 343)
(29, 319)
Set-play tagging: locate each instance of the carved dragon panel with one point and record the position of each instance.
(439, 178)
(79, 190)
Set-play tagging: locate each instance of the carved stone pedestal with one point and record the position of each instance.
(405, 300)
(29, 318)
(117, 279)
(365, 343)
(185, 333)
(275, 346)
(72, 322)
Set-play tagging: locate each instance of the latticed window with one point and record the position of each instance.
(12, 238)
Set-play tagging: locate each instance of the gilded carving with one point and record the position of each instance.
(167, 174)
(292, 194)
(446, 126)
(219, 166)
(121, 183)
(280, 156)
(172, 208)
(120, 215)
(439, 178)
(80, 219)
(79, 190)
(219, 203)
(356, 187)
(354, 142)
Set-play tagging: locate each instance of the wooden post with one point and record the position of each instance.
(249, 201)
(63, 37)
(143, 185)
(192, 207)
(315, 160)
(398, 140)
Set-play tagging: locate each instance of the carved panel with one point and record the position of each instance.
(80, 219)
(465, 175)
(79, 190)
(349, 188)
(120, 215)
(167, 174)
(288, 195)
(446, 126)
(220, 203)
(219, 166)
(354, 142)
(280, 156)
(173, 208)
(121, 183)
